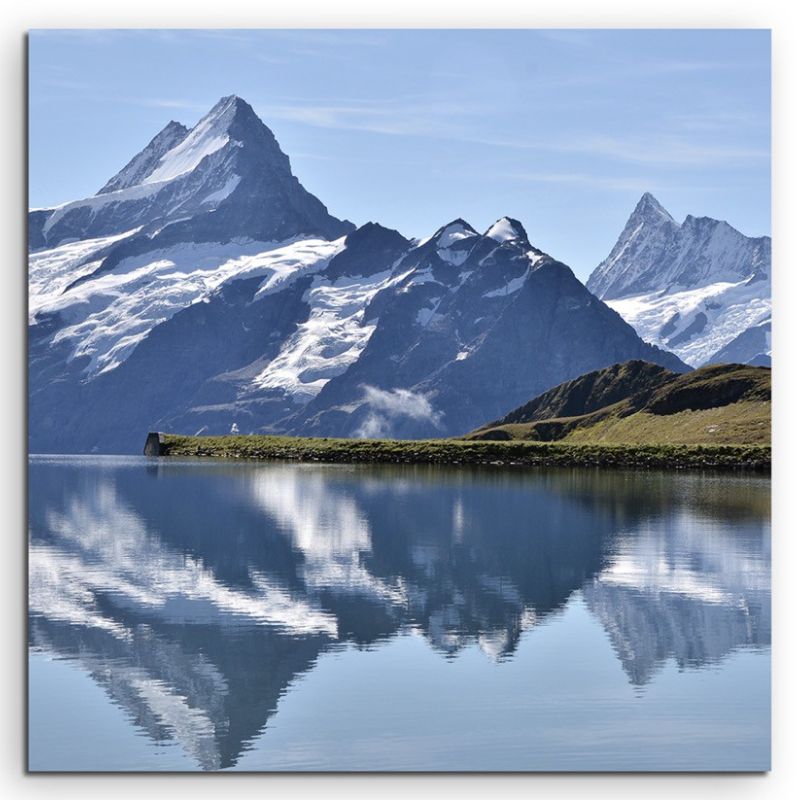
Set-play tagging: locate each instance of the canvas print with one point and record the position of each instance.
(399, 400)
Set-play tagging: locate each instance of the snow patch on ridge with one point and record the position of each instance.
(504, 230)
(203, 140)
(454, 257)
(225, 191)
(332, 338)
(451, 234)
(98, 201)
(515, 284)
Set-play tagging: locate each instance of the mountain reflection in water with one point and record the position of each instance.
(195, 593)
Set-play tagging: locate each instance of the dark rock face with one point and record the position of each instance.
(367, 250)
(697, 325)
(241, 302)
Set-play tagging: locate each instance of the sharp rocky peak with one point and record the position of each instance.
(177, 149)
(648, 209)
(229, 110)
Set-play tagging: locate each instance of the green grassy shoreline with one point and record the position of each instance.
(468, 452)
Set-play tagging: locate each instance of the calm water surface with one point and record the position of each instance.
(196, 615)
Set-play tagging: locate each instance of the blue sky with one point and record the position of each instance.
(563, 130)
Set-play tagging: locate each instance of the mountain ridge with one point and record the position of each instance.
(690, 287)
(264, 314)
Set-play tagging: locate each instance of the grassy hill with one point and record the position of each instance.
(636, 403)
(634, 415)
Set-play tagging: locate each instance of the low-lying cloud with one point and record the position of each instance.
(386, 406)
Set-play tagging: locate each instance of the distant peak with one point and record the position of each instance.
(507, 229)
(649, 207)
(146, 160)
(453, 232)
(229, 109)
(704, 220)
(460, 223)
(229, 100)
(375, 232)
(173, 126)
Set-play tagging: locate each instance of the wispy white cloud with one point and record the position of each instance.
(622, 184)
(457, 121)
(388, 405)
(393, 118)
(662, 149)
(166, 102)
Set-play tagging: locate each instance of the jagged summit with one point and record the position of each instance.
(649, 207)
(146, 160)
(506, 229)
(691, 287)
(231, 104)
(233, 116)
(177, 149)
(655, 253)
(224, 178)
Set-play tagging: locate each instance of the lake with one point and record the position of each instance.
(213, 615)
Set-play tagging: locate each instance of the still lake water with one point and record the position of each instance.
(206, 615)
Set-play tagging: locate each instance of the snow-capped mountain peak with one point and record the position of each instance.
(507, 229)
(229, 163)
(655, 253)
(649, 209)
(691, 287)
(450, 234)
(208, 136)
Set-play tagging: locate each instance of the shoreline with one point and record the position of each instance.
(460, 452)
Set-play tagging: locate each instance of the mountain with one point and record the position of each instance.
(203, 288)
(692, 287)
(642, 403)
(471, 324)
(225, 177)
